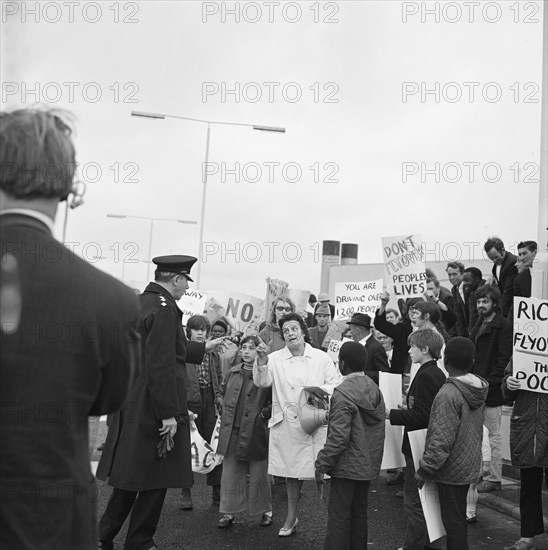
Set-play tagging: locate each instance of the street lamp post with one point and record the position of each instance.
(162, 116)
(151, 220)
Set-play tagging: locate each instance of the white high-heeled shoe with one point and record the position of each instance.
(288, 531)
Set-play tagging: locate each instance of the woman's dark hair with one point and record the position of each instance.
(197, 322)
(434, 314)
(299, 319)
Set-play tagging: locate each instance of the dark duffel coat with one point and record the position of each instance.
(130, 458)
(253, 436)
(399, 334)
(75, 353)
(493, 351)
(528, 426)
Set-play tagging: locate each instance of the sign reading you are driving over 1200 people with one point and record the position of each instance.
(404, 265)
(530, 358)
(353, 298)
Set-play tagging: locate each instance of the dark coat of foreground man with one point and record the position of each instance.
(69, 346)
(73, 355)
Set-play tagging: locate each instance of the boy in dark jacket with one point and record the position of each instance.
(452, 452)
(425, 348)
(353, 450)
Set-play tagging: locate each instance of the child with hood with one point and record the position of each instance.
(353, 450)
(452, 453)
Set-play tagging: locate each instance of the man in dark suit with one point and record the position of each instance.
(472, 279)
(455, 271)
(70, 346)
(504, 271)
(156, 407)
(527, 251)
(377, 360)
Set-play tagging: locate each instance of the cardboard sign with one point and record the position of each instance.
(299, 297)
(404, 265)
(430, 498)
(530, 357)
(390, 386)
(353, 298)
(334, 347)
(244, 312)
(274, 288)
(192, 303)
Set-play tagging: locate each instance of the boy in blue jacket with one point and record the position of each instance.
(353, 450)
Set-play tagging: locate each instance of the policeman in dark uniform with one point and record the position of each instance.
(156, 406)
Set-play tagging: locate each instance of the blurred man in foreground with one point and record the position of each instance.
(68, 352)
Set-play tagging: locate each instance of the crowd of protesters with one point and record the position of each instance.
(459, 335)
(287, 412)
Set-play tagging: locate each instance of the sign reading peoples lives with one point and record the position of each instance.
(404, 265)
(530, 358)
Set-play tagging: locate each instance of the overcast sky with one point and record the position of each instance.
(367, 91)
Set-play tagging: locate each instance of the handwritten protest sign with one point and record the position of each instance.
(430, 499)
(192, 303)
(299, 297)
(353, 298)
(404, 265)
(334, 347)
(274, 288)
(244, 312)
(530, 358)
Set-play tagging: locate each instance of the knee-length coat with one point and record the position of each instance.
(130, 458)
(292, 452)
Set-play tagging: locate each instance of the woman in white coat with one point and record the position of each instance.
(292, 452)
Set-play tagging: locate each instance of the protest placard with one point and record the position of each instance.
(364, 297)
(430, 499)
(299, 297)
(274, 288)
(530, 357)
(244, 312)
(404, 265)
(390, 386)
(334, 347)
(192, 302)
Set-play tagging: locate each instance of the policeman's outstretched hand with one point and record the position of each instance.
(169, 425)
(217, 344)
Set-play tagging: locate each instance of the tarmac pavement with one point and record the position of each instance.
(497, 527)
